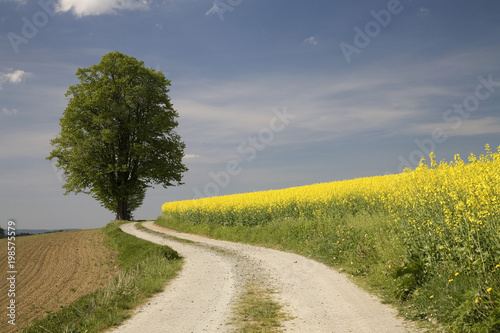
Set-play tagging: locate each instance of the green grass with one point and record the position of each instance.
(145, 269)
(373, 252)
(257, 312)
(176, 239)
(366, 247)
(370, 249)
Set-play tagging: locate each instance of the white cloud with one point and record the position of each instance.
(462, 127)
(9, 112)
(191, 156)
(423, 12)
(214, 10)
(14, 77)
(388, 101)
(312, 40)
(97, 7)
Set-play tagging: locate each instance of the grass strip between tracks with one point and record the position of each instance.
(255, 310)
(366, 248)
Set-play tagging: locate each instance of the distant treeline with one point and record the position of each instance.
(3, 234)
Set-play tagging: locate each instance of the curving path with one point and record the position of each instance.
(317, 298)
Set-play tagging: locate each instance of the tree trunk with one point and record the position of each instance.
(122, 212)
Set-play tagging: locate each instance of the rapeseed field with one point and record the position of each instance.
(445, 215)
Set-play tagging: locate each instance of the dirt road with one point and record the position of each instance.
(317, 298)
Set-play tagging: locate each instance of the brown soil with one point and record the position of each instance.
(54, 270)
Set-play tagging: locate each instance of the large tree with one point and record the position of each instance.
(117, 134)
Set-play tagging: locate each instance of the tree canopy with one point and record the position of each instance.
(117, 134)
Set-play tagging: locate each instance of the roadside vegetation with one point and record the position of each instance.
(56, 269)
(427, 240)
(256, 309)
(144, 267)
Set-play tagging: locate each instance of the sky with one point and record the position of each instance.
(270, 93)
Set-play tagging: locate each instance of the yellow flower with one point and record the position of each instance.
(489, 289)
(432, 296)
(477, 300)
(456, 273)
(450, 280)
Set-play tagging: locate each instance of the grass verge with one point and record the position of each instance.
(255, 311)
(366, 247)
(145, 269)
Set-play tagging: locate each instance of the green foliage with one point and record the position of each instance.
(365, 246)
(145, 268)
(437, 242)
(117, 134)
(373, 250)
(409, 276)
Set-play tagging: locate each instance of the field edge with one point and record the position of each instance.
(145, 269)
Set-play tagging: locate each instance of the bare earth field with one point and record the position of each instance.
(54, 270)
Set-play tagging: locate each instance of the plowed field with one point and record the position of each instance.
(54, 270)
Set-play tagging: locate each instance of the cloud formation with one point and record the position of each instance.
(98, 7)
(14, 77)
(191, 156)
(312, 40)
(9, 112)
(214, 10)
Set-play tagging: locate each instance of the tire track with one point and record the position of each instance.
(317, 298)
(198, 300)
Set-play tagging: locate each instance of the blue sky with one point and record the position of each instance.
(271, 94)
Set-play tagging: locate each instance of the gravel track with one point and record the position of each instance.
(317, 298)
